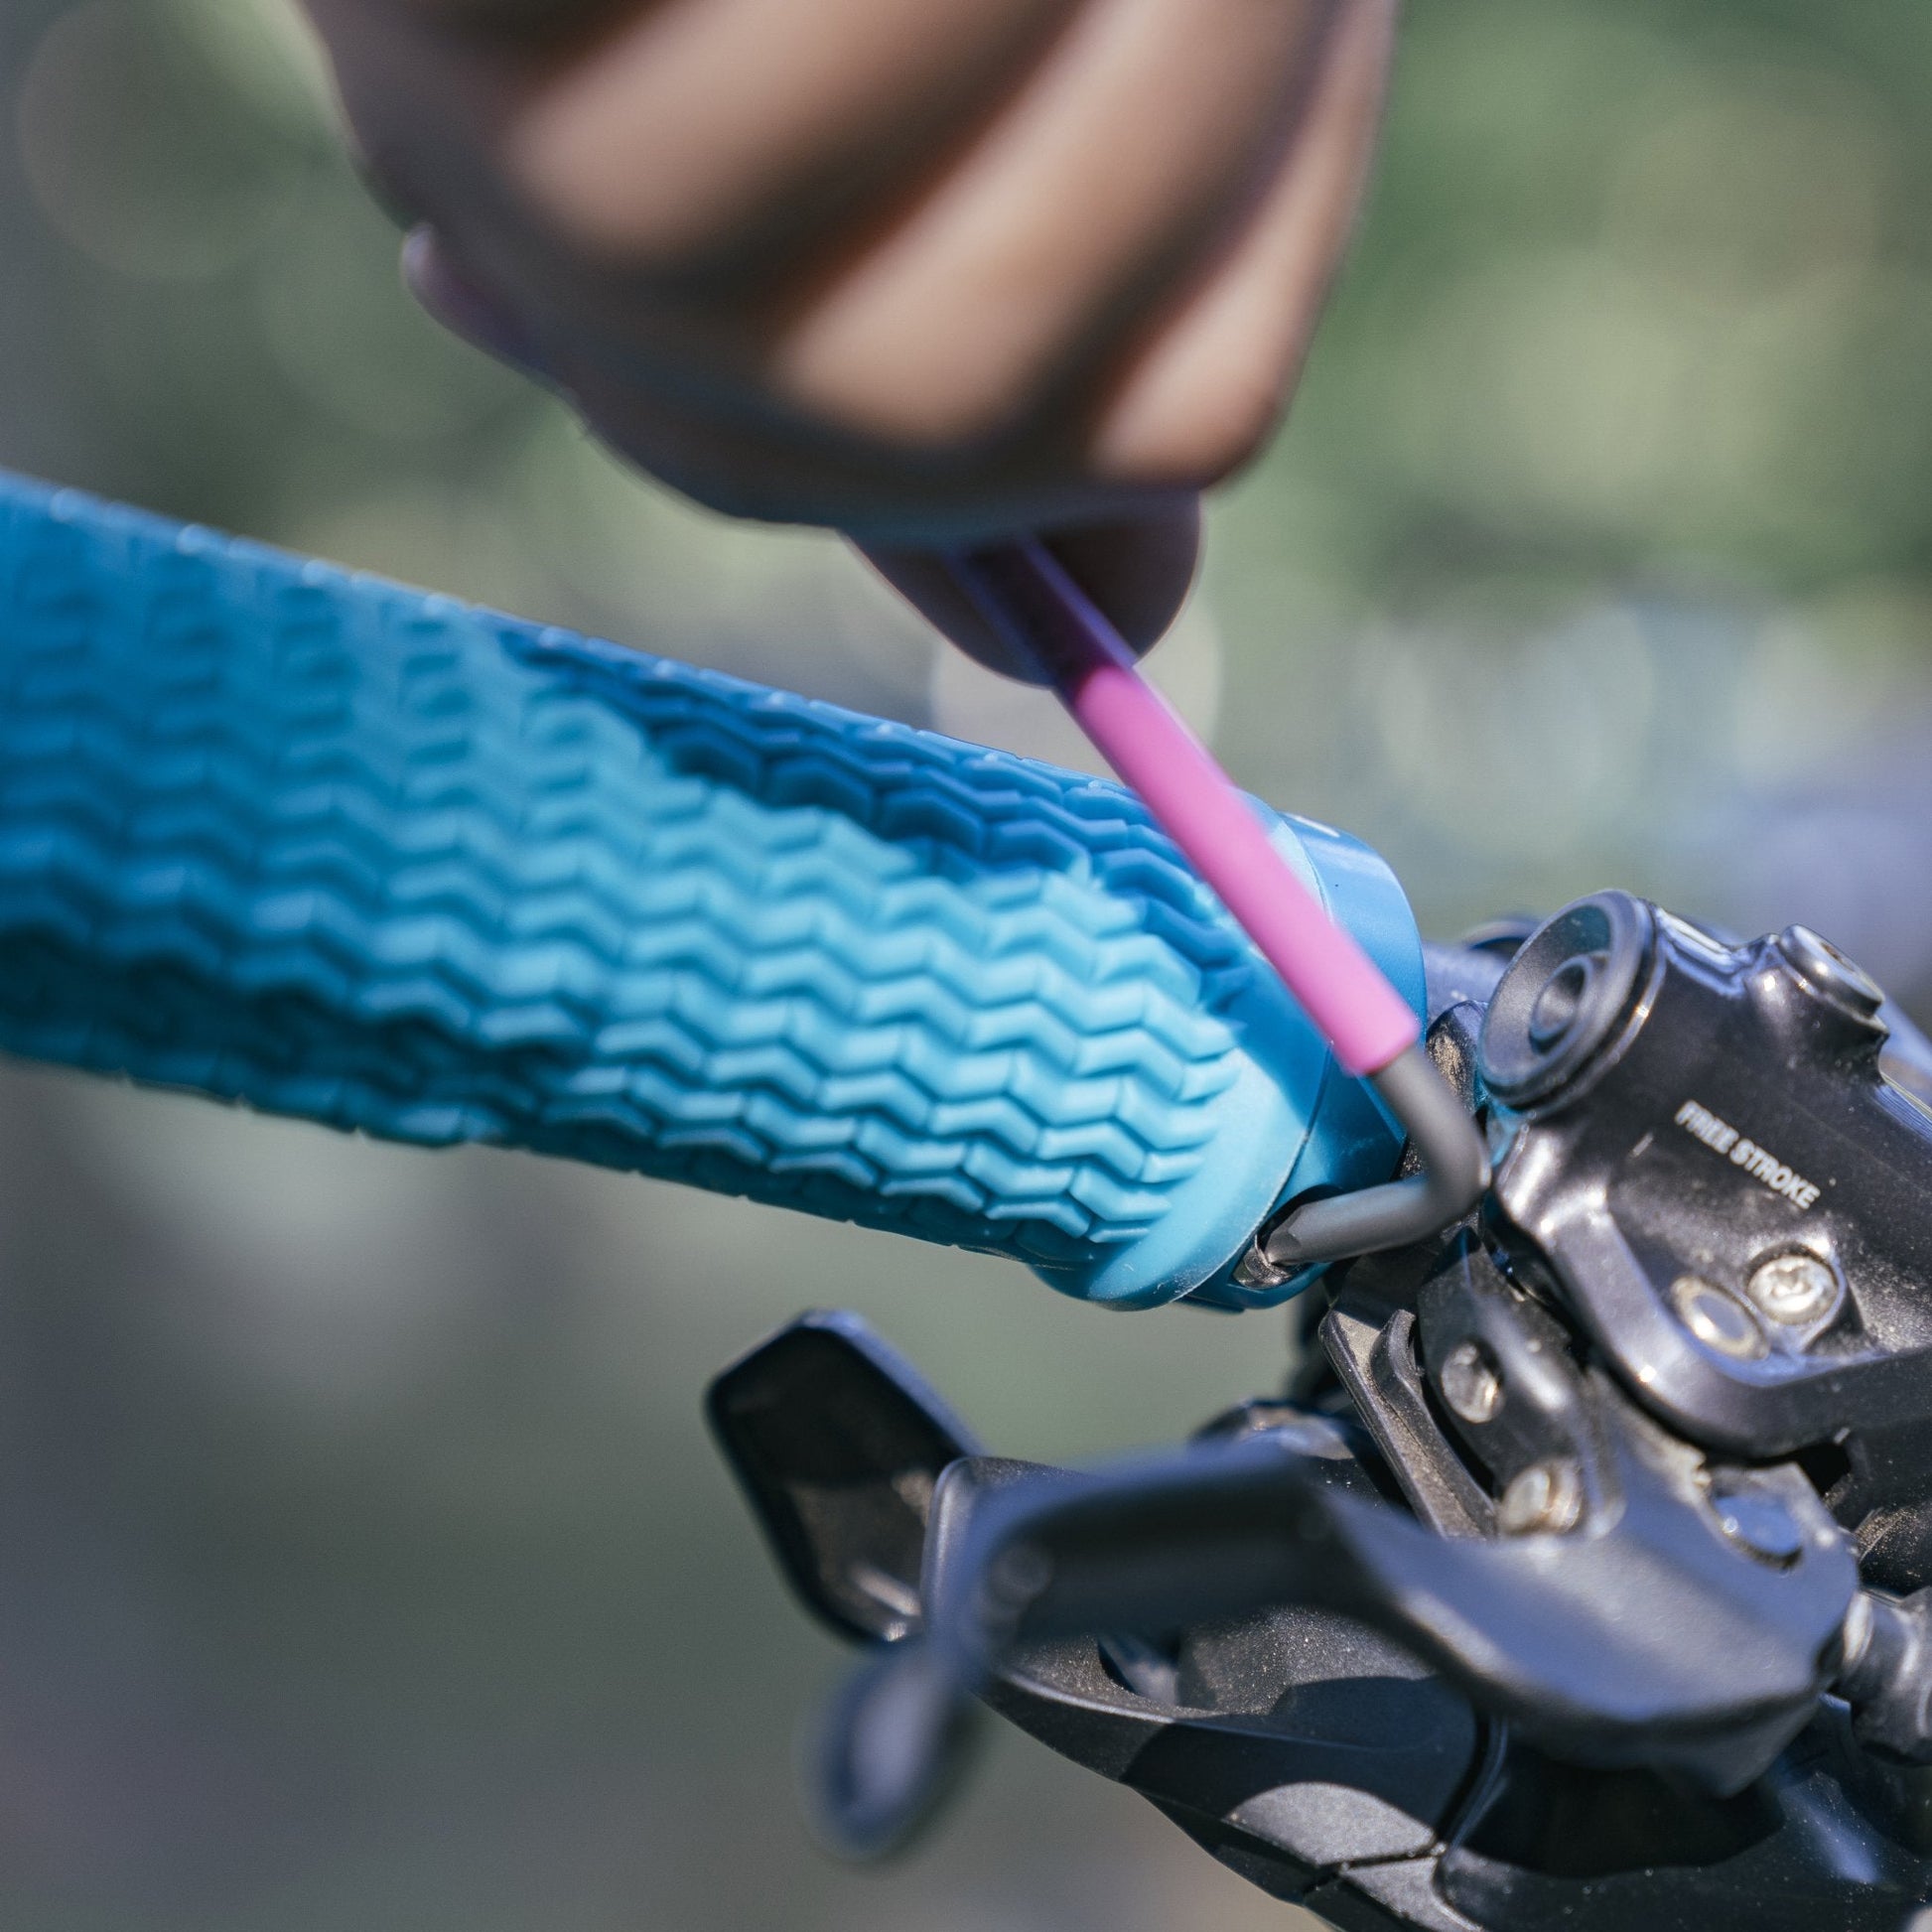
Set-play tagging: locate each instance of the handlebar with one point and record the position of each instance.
(332, 847)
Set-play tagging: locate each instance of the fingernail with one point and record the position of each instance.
(453, 297)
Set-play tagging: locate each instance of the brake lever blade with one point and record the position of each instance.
(1650, 1642)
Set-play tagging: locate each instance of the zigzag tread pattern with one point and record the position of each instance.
(342, 849)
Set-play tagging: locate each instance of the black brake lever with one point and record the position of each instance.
(1651, 1641)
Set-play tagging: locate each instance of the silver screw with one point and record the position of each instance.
(1472, 1385)
(1793, 1287)
(1758, 1522)
(1830, 974)
(1716, 1318)
(1546, 1496)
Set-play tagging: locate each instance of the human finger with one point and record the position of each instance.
(1076, 215)
(709, 136)
(1210, 385)
(1137, 570)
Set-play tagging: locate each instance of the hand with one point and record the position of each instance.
(922, 270)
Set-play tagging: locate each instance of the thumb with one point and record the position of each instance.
(1136, 571)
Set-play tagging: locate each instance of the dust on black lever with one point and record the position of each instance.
(1651, 1642)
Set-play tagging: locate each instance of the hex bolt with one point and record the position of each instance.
(1547, 1496)
(1472, 1385)
(1831, 975)
(1716, 1318)
(1793, 1287)
(1757, 1522)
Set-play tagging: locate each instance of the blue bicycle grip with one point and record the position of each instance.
(336, 849)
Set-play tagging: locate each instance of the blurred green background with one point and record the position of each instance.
(363, 1563)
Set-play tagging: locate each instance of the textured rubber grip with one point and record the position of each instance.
(342, 849)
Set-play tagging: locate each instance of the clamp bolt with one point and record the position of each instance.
(1716, 1318)
(1472, 1385)
(1793, 1287)
(1832, 976)
(1547, 1496)
(1758, 1523)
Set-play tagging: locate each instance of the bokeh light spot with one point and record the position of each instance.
(128, 160)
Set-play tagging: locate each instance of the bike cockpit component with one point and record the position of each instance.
(1581, 1571)
(1508, 1612)
(339, 849)
(1717, 1176)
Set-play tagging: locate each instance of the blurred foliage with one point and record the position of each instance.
(366, 1562)
(1600, 532)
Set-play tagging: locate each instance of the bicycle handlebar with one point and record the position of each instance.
(338, 849)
